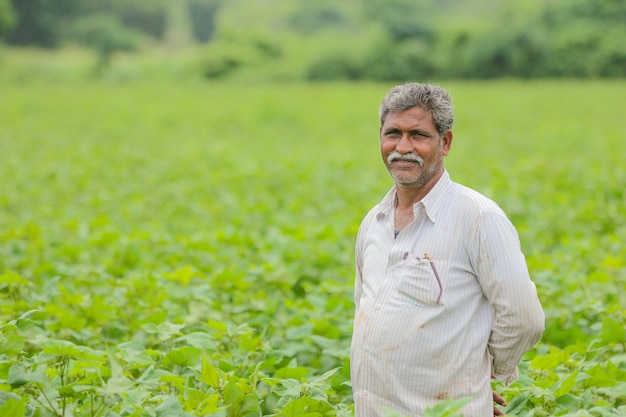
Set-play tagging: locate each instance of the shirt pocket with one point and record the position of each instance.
(420, 283)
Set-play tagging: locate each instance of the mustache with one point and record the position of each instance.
(405, 157)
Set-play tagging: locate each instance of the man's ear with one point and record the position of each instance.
(446, 142)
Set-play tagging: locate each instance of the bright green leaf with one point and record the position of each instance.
(292, 373)
(210, 374)
(565, 386)
(612, 331)
(12, 407)
(184, 356)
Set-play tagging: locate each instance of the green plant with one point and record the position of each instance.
(186, 249)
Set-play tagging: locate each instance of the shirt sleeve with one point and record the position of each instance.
(503, 275)
(358, 280)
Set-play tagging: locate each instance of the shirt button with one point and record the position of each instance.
(367, 348)
(393, 268)
(365, 393)
(379, 306)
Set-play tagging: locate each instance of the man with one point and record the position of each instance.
(443, 297)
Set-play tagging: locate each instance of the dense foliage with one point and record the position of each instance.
(187, 250)
(380, 40)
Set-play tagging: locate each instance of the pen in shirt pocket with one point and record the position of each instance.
(430, 260)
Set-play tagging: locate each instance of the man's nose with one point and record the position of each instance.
(404, 145)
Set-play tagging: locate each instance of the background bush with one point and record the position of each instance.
(414, 39)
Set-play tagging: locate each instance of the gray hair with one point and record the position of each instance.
(430, 97)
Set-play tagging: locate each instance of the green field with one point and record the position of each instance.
(187, 249)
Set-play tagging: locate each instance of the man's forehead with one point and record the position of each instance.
(413, 115)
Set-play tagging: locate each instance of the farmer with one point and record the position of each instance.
(444, 302)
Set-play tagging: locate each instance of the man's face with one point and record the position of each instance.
(411, 147)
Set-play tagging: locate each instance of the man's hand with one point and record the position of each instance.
(500, 401)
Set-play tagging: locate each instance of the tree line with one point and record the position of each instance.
(351, 39)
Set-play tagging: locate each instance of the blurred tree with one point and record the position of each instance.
(7, 17)
(311, 17)
(203, 14)
(587, 38)
(401, 61)
(403, 19)
(413, 38)
(44, 22)
(149, 17)
(106, 36)
(178, 26)
(335, 66)
(37, 23)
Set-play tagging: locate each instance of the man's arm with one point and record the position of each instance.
(358, 280)
(503, 274)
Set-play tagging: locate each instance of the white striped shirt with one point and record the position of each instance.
(427, 332)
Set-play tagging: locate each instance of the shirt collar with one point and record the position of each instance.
(431, 201)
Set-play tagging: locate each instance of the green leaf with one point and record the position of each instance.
(565, 386)
(210, 374)
(292, 373)
(240, 404)
(515, 406)
(184, 356)
(233, 397)
(134, 356)
(612, 331)
(171, 408)
(326, 375)
(12, 344)
(164, 331)
(176, 380)
(287, 390)
(119, 385)
(66, 348)
(550, 361)
(602, 376)
(12, 278)
(250, 343)
(13, 407)
(182, 276)
(615, 392)
(219, 326)
(569, 402)
(249, 407)
(210, 405)
(305, 407)
(200, 340)
(447, 408)
(19, 376)
(30, 319)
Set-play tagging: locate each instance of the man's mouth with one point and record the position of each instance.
(404, 160)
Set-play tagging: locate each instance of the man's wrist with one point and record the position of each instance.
(507, 379)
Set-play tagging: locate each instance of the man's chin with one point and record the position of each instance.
(406, 181)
